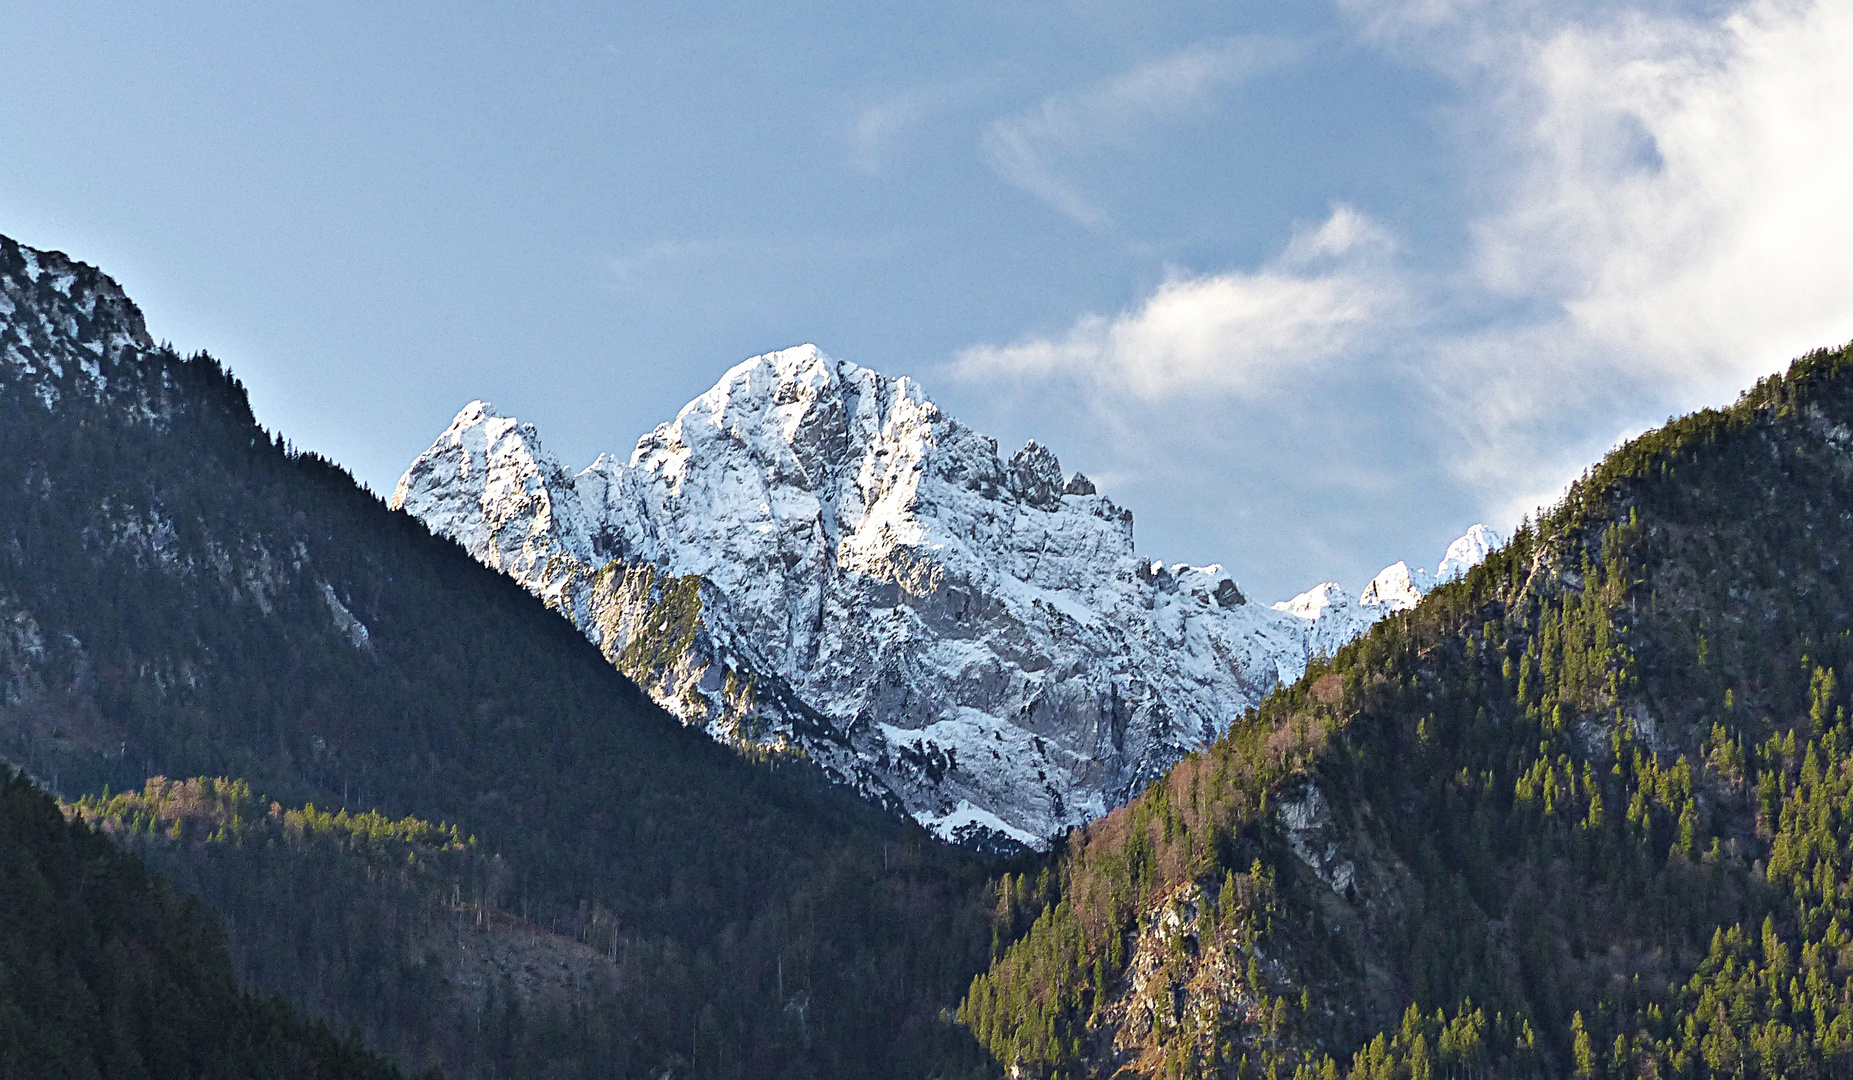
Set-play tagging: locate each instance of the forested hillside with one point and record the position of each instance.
(106, 973)
(380, 925)
(183, 595)
(1584, 813)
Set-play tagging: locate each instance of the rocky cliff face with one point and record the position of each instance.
(64, 327)
(812, 556)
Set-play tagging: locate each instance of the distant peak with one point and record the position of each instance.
(1396, 587)
(1310, 603)
(1467, 552)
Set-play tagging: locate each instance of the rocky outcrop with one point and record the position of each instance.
(813, 556)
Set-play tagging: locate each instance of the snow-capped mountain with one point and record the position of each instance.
(1332, 618)
(1467, 552)
(812, 556)
(1330, 615)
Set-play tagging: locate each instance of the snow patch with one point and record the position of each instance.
(350, 627)
(957, 825)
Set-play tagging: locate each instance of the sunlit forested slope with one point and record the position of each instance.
(183, 595)
(1588, 812)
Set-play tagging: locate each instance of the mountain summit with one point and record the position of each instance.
(813, 555)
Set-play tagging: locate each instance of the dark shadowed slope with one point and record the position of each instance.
(105, 973)
(180, 594)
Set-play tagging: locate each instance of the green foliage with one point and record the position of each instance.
(106, 973)
(1577, 783)
(363, 917)
(1429, 1047)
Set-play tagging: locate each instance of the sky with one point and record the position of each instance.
(1308, 287)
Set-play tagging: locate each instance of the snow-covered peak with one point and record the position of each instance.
(969, 636)
(766, 402)
(1467, 552)
(979, 627)
(489, 484)
(1332, 618)
(1396, 588)
(1315, 601)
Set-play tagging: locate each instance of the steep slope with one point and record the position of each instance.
(813, 555)
(182, 595)
(1582, 812)
(105, 973)
(393, 928)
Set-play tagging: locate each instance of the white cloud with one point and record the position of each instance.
(1345, 234)
(1038, 150)
(1675, 190)
(1659, 215)
(1685, 186)
(1233, 333)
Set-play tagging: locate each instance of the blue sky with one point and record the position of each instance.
(1309, 287)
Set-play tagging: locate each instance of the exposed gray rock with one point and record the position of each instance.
(813, 557)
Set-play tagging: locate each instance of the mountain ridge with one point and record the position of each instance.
(972, 639)
(184, 595)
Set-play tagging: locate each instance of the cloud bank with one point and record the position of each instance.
(1672, 193)
(1657, 212)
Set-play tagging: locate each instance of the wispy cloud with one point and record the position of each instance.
(1683, 186)
(1231, 333)
(646, 265)
(1038, 150)
(877, 129)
